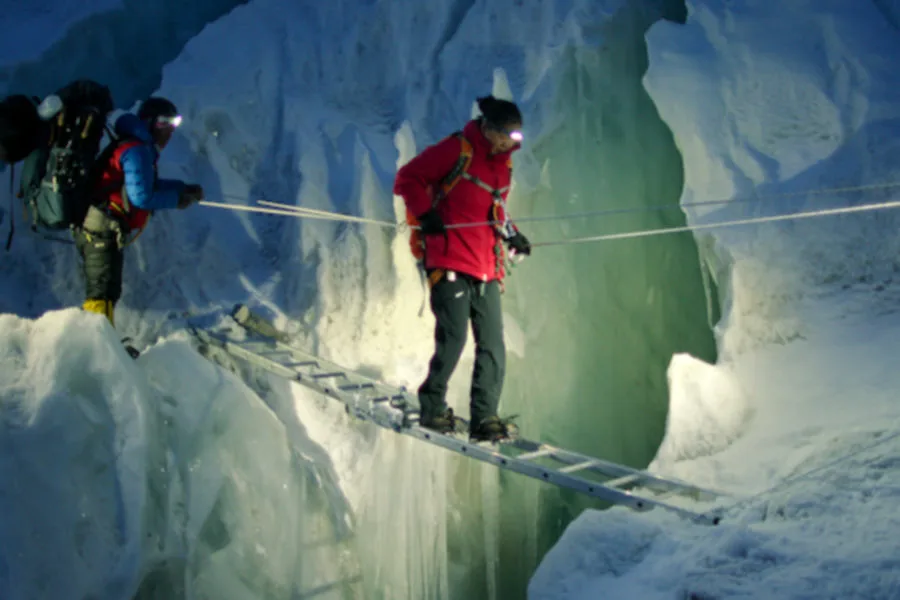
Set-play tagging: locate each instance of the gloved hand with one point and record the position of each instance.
(519, 243)
(431, 223)
(190, 194)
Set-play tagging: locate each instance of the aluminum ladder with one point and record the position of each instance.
(254, 340)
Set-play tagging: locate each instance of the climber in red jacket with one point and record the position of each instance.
(462, 180)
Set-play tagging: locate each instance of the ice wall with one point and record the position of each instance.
(122, 43)
(316, 104)
(759, 111)
(161, 478)
(778, 123)
(773, 105)
(591, 328)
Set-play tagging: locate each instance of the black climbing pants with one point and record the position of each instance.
(455, 300)
(102, 263)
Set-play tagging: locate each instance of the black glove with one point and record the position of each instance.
(190, 194)
(520, 244)
(431, 223)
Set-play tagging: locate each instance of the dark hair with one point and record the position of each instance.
(499, 112)
(155, 107)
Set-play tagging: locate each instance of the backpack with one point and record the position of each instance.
(416, 239)
(57, 177)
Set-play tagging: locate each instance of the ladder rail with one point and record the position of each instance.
(389, 416)
(594, 489)
(610, 469)
(394, 408)
(318, 364)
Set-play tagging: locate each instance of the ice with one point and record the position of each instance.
(316, 105)
(165, 476)
(773, 107)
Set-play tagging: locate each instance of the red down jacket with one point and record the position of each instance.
(475, 251)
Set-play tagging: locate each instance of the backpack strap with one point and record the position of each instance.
(459, 170)
(12, 201)
(112, 154)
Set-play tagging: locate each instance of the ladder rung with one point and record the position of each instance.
(328, 375)
(356, 386)
(578, 466)
(393, 408)
(304, 363)
(623, 480)
(535, 454)
(673, 491)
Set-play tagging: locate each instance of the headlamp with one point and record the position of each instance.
(169, 121)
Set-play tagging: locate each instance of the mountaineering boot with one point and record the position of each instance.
(491, 429)
(131, 350)
(444, 422)
(257, 324)
(101, 307)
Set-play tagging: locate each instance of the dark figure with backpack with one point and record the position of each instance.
(59, 139)
(462, 180)
(126, 192)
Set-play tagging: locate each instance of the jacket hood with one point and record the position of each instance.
(129, 125)
(473, 133)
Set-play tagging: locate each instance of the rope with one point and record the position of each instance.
(311, 213)
(300, 214)
(314, 212)
(256, 209)
(690, 228)
(326, 214)
(718, 202)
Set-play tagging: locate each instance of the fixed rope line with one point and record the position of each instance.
(326, 214)
(323, 214)
(723, 201)
(303, 209)
(260, 209)
(311, 212)
(692, 228)
(299, 214)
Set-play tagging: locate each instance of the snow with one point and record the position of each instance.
(171, 476)
(75, 437)
(797, 421)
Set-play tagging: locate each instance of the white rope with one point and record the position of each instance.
(676, 206)
(300, 214)
(312, 213)
(300, 209)
(687, 228)
(606, 212)
(259, 209)
(326, 214)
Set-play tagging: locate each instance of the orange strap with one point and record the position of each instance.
(435, 277)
